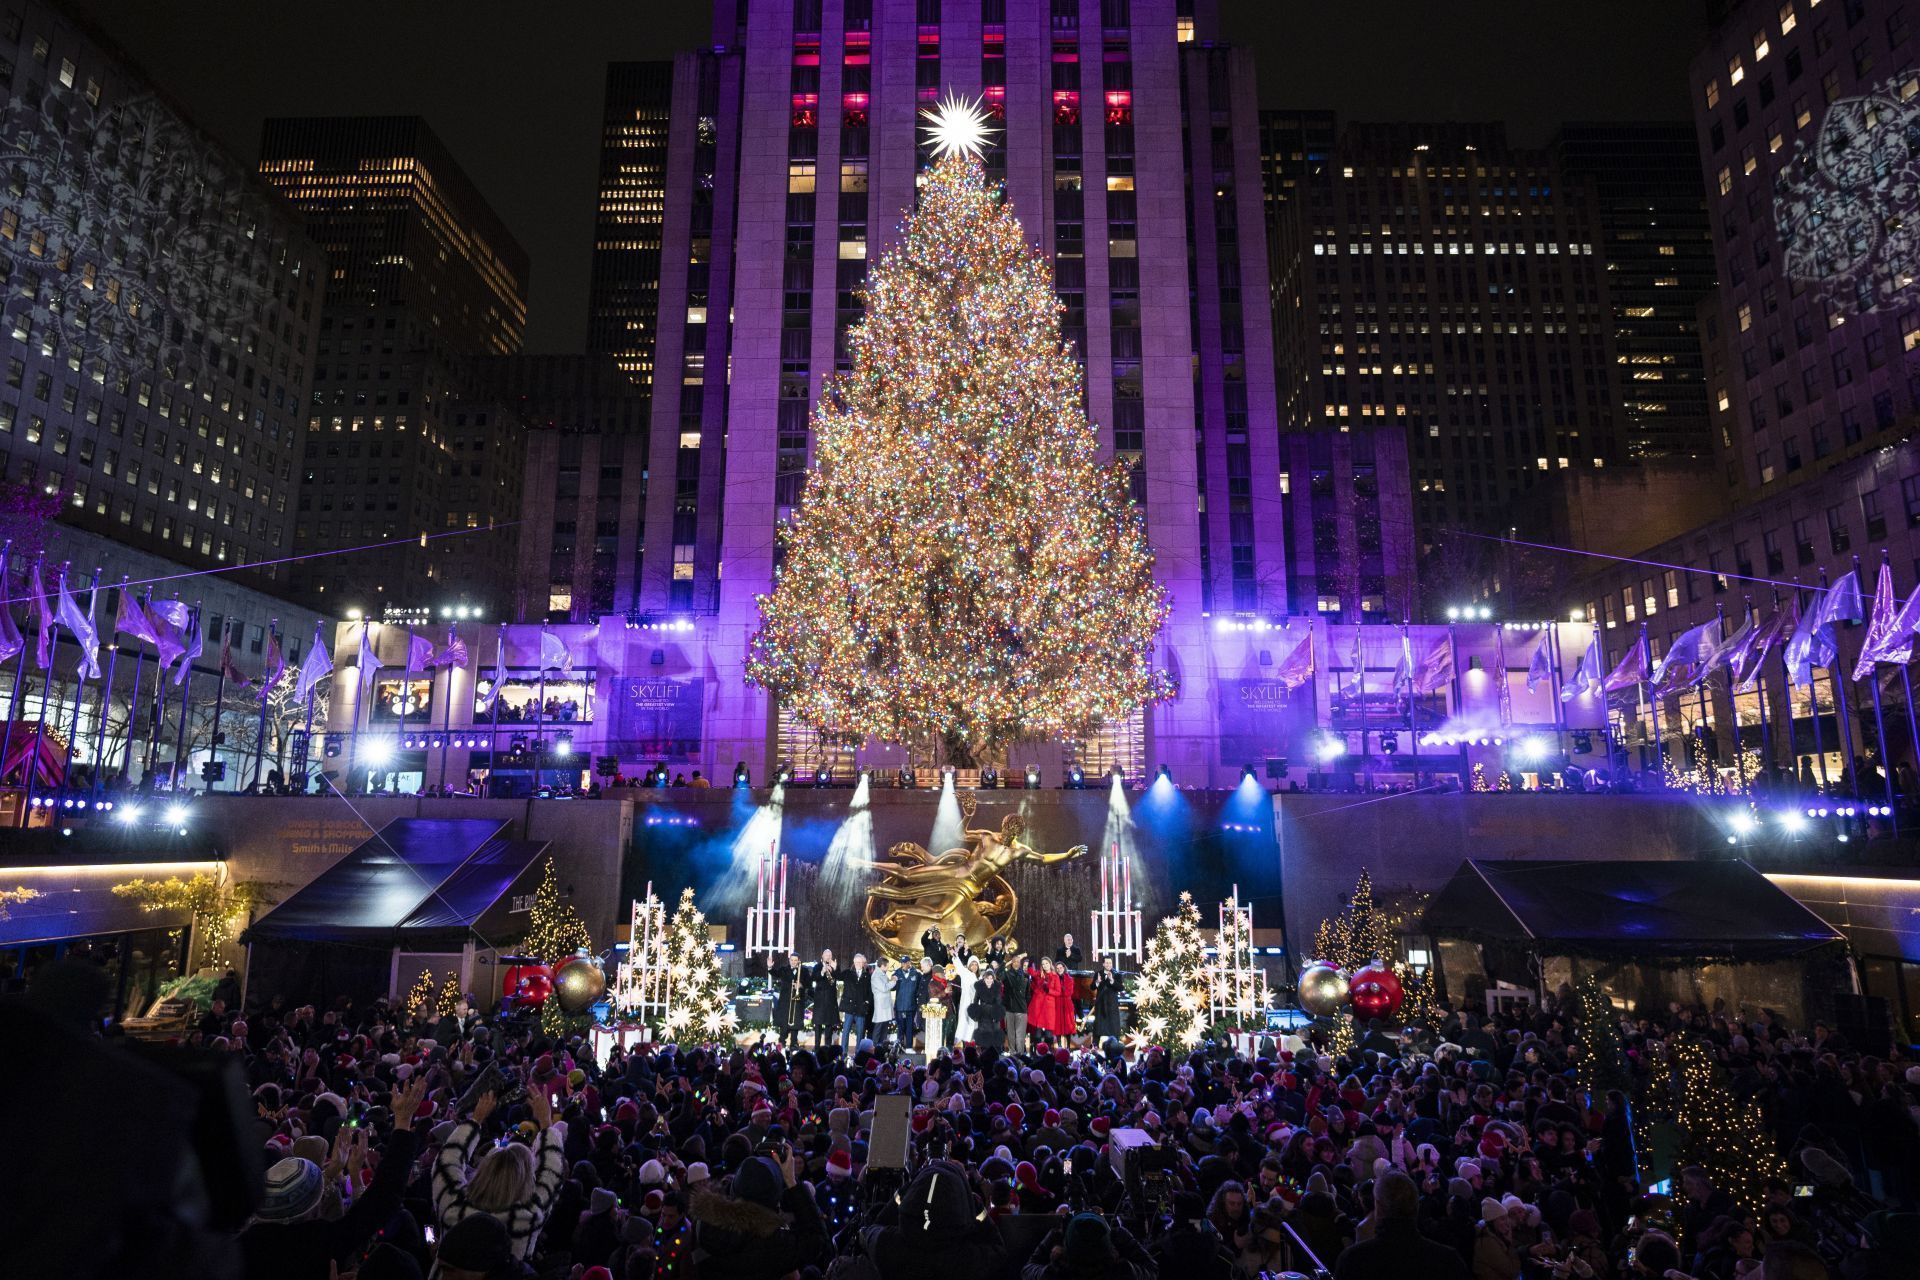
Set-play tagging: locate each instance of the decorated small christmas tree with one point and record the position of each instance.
(697, 1002)
(1360, 934)
(1725, 1135)
(1171, 995)
(963, 570)
(420, 995)
(450, 994)
(554, 929)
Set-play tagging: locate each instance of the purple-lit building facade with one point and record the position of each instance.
(1128, 143)
(1812, 341)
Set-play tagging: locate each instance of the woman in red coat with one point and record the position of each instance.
(1049, 990)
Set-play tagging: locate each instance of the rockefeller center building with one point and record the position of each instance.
(1126, 137)
(1804, 114)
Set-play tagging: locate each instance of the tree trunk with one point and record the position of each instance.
(959, 750)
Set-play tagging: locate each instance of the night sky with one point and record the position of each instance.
(515, 89)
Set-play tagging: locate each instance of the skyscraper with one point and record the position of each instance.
(424, 284)
(1127, 141)
(624, 299)
(1437, 280)
(1658, 251)
(160, 320)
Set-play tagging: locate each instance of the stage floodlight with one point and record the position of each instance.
(1033, 777)
(740, 775)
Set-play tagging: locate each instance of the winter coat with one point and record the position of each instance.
(882, 981)
(937, 1236)
(1397, 1251)
(987, 1013)
(1014, 988)
(788, 997)
(1494, 1258)
(743, 1237)
(856, 993)
(524, 1220)
(304, 1248)
(823, 994)
(1107, 1019)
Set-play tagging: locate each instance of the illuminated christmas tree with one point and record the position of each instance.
(963, 570)
(450, 995)
(697, 1002)
(1602, 1064)
(419, 994)
(1360, 934)
(1171, 997)
(1725, 1135)
(554, 929)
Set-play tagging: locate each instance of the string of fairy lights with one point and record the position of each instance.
(962, 568)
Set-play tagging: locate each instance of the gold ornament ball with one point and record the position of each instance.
(1323, 989)
(578, 983)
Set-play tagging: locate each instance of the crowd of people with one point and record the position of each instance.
(377, 1145)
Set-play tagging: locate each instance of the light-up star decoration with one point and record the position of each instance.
(957, 127)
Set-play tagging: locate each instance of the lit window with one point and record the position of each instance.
(1748, 161)
(1787, 20)
(1736, 71)
(1760, 46)
(1183, 30)
(1726, 180)
(1713, 94)
(67, 70)
(1746, 316)
(799, 177)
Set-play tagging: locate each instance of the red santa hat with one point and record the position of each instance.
(1015, 1114)
(1050, 1119)
(1100, 1125)
(840, 1163)
(1027, 1176)
(922, 1120)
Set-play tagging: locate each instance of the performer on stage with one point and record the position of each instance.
(934, 949)
(1016, 990)
(1107, 1019)
(856, 1003)
(909, 993)
(968, 978)
(1043, 1006)
(997, 952)
(823, 996)
(961, 951)
(789, 1002)
(987, 1011)
(880, 1025)
(1068, 954)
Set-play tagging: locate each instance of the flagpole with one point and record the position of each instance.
(500, 671)
(79, 692)
(1879, 717)
(1653, 700)
(306, 762)
(266, 688)
(446, 736)
(157, 727)
(40, 725)
(19, 672)
(400, 730)
(220, 692)
(106, 698)
(1849, 768)
(1733, 701)
(186, 692)
(540, 713)
(1760, 687)
(1413, 696)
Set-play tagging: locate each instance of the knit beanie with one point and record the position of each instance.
(292, 1191)
(602, 1200)
(1492, 1210)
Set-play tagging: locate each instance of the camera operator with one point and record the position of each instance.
(1089, 1248)
(936, 1232)
(1192, 1246)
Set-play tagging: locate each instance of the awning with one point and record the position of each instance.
(1626, 909)
(414, 876)
(79, 902)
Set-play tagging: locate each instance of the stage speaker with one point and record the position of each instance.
(1865, 1021)
(887, 1148)
(1276, 767)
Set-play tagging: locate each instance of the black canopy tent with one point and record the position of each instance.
(430, 885)
(1650, 928)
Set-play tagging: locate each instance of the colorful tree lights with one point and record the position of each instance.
(962, 569)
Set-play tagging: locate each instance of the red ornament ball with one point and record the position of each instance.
(1377, 992)
(521, 982)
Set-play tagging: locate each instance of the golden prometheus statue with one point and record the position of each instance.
(960, 888)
